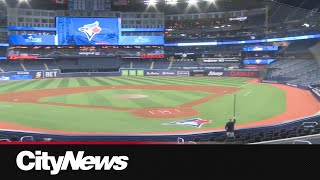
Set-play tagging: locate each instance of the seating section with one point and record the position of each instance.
(8, 66)
(52, 64)
(185, 63)
(300, 47)
(261, 136)
(140, 63)
(297, 71)
(34, 65)
(161, 64)
(241, 137)
(126, 64)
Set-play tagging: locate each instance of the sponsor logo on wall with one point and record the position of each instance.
(197, 70)
(152, 73)
(218, 60)
(243, 74)
(23, 73)
(38, 75)
(168, 73)
(183, 73)
(4, 78)
(215, 73)
(50, 74)
(152, 56)
(89, 53)
(18, 57)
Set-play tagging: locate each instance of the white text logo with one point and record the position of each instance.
(42, 161)
(212, 73)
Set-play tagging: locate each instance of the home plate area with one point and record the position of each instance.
(166, 112)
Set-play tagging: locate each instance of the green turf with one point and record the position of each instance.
(254, 102)
(262, 102)
(109, 98)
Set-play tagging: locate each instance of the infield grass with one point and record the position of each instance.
(110, 98)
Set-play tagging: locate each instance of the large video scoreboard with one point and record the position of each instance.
(80, 31)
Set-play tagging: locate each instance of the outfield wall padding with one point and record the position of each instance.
(48, 74)
(176, 72)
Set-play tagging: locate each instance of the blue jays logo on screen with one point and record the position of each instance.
(90, 30)
(195, 122)
(87, 31)
(31, 39)
(258, 61)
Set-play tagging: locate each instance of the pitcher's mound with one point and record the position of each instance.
(132, 96)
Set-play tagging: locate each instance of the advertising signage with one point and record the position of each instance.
(258, 61)
(152, 56)
(22, 57)
(141, 40)
(166, 73)
(244, 73)
(32, 40)
(80, 31)
(219, 60)
(19, 28)
(232, 73)
(260, 48)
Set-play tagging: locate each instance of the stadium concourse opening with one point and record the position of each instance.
(161, 69)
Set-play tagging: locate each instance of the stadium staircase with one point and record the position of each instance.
(170, 65)
(46, 66)
(152, 65)
(1, 69)
(23, 67)
(131, 65)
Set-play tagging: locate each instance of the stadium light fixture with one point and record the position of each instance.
(172, 2)
(306, 25)
(24, 1)
(192, 1)
(150, 2)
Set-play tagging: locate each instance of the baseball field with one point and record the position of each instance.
(147, 105)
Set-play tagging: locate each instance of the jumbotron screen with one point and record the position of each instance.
(81, 31)
(87, 31)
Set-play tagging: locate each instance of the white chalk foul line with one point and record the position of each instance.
(247, 94)
(248, 84)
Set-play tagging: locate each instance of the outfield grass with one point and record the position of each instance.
(254, 102)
